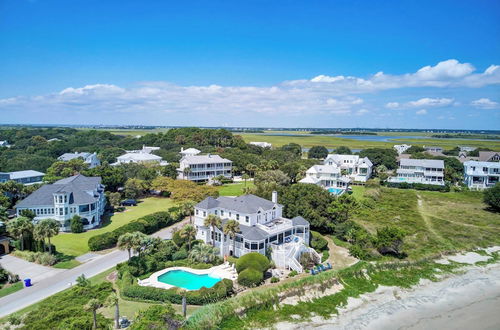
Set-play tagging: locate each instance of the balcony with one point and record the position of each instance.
(276, 226)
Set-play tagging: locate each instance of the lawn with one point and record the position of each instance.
(76, 244)
(309, 140)
(234, 189)
(435, 222)
(11, 288)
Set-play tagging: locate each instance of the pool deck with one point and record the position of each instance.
(221, 271)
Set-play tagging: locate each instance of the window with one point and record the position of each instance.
(65, 198)
(273, 238)
(247, 246)
(229, 214)
(237, 217)
(216, 212)
(247, 218)
(254, 246)
(204, 213)
(221, 213)
(197, 211)
(261, 246)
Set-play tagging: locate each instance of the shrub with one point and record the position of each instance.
(181, 254)
(293, 273)
(76, 224)
(253, 260)
(358, 252)
(42, 258)
(418, 186)
(492, 197)
(274, 279)
(250, 277)
(318, 242)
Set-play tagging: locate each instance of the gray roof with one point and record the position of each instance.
(69, 156)
(24, 174)
(244, 204)
(80, 188)
(205, 159)
(299, 221)
(252, 233)
(435, 163)
(485, 156)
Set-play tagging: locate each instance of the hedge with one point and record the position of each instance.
(318, 242)
(219, 291)
(417, 186)
(250, 277)
(147, 225)
(253, 260)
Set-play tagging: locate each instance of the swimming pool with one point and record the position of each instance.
(335, 191)
(187, 280)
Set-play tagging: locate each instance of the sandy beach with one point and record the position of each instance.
(466, 301)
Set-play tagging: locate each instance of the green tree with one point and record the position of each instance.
(203, 253)
(186, 171)
(342, 207)
(82, 281)
(317, 152)
(127, 241)
(187, 209)
(20, 228)
(134, 188)
(114, 198)
(76, 224)
(28, 214)
(252, 168)
(492, 197)
(390, 240)
(113, 301)
(213, 221)
(231, 228)
(294, 148)
(60, 170)
(342, 150)
(189, 234)
(381, 156)
(39, 234)
(92, 306)
(245, 177)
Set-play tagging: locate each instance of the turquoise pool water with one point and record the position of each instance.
(335, 191)
(187, 280)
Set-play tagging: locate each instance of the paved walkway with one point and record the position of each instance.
(26, 269)
(63, 278)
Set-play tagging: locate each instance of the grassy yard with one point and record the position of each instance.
(435, 222)
(76, 244)
(11, 288)
(309, 140)
(234, 189)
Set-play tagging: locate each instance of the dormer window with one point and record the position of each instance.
(216, 212)
(221, 213)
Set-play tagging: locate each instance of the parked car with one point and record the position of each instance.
(129, 202)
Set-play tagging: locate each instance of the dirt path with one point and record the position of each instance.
(339, 256)
(427, 221)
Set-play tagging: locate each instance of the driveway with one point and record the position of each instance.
(27, 269)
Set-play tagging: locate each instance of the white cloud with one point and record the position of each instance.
(430, 102)
(392, 105)
(484, 103)
(421, 112)
(362, 112)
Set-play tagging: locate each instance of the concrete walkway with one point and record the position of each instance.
(62, 279)
(26, 269)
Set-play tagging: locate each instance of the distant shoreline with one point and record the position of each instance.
(466, 301)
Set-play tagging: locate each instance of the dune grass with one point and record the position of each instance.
(435, 222)
(76, 244)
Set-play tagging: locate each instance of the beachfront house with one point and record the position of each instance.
(141, 156)
(90, 159)
(489, 156)
(425, 171)
(262, 227)
(62, 200)
(26, 177)
(433, 149)
(4, 144)
(401, 148)
(481, 175)
(355, 167)
(189, 152)
(204, 167)
(328, 177)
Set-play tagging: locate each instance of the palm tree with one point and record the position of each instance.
(19, 228)
(39, 234)
(127, 242)
(213, 221)
(231, 228)
(187, 208)
(245, 177)
(188, 233)
(51, 229)
(251, 168)
(93, 305)
(113, 301)
(203, 253)
(186, 172)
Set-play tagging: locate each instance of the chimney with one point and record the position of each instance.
(182, 149)
(274, 197)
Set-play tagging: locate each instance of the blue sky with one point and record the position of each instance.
(422, 64)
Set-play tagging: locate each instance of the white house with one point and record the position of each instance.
(401, 148)
(189, 152)
(356, 168)
(262, 144)
(481, 175)
(4, 144)
(262, 226)
(328, 177)
(433, 149)
(76, 195)
(204, 167)
(26, 177)
(141, 156)
(426, 171)
(88, 158)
